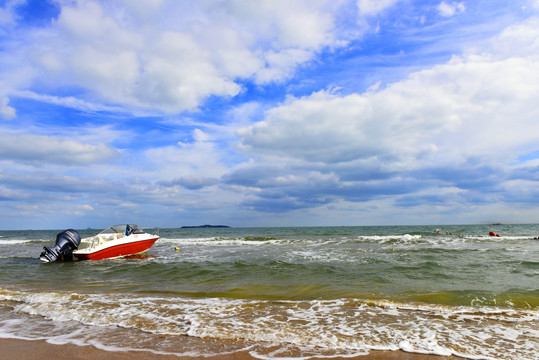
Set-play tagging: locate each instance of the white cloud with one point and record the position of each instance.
(521, 39)
(120, 57)
(461, 125)
(190, 182)
(200, 135)
(7, 17)
(373, 7)
(178, 75)
(67, 101)
(45, 182)
(447, 10)
(6, 111)
(442, 114)
(201, 158)
(39, 149)
(280, 65)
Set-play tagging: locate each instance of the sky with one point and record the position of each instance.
(268, 112)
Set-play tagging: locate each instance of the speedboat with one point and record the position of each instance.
(113, 242)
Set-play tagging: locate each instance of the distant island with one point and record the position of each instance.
(204, 226)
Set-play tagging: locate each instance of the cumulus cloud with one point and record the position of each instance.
(200, 135)
(67, 102)
(6, 111)
(200, 159)
(46, 182)
(517, 40)
(373, 7)
(449, 9)
(435, 114)
(7, 17)
(39, 149)
(119, 57)
(457, 125)
(190, 182)
(423, 117)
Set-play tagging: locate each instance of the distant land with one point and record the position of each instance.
(204, 226)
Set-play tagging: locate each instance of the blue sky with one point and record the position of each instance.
(268, 113)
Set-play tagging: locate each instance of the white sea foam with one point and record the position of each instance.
(219, 241)
(382, 239)
(315, 327)
(14, 242)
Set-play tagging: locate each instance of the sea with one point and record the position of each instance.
(285, 292)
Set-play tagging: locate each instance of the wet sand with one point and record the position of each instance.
(12, 349)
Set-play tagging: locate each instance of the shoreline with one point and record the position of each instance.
(16, 349)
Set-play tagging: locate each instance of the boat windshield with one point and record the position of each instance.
(126, 229)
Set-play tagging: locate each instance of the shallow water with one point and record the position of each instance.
(287, 292)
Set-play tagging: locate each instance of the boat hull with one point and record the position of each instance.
(115, 251)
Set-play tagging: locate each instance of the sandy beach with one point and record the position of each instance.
(13, 349)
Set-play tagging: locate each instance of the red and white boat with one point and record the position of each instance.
(113, 242)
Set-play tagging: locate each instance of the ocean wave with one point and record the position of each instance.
(313, 327)
(16, 241)
(382, 239)
(221, 241)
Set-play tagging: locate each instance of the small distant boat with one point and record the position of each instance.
(113, 242)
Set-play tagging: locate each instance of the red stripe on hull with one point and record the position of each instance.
(119, 250)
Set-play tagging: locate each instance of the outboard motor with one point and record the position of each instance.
(66, 242)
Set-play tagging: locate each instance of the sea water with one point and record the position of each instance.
(286, 292)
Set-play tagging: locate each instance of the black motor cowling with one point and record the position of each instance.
(66, 241)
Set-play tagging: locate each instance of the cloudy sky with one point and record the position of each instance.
(268, 112)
